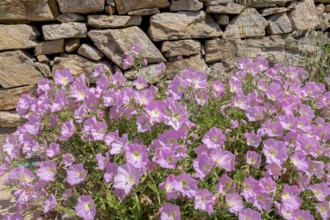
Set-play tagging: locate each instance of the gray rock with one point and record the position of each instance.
(219, 50)
(70, 17)
(64, 30)
(49, 47)
(10, 97)
(279, 24)
(113, 21)
(17, 69)
(124, 6)
(122, 40)
(90, 52)
(44, 68)
(222, 19)
(81, 7)
(182, 25)
(72, 44)
(27, 10)
(230, 8)
(18, 36)
(304, 16)
(271, 11)
(145, 12)
(149, 73)
(248, 24)
(184, 5)
(320, 9)
(181, 47)
(263, 3)
(78, 65)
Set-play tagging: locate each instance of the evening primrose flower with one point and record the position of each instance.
(126, 178)
(76, 174)
(204, 200)
(63, 77)
(170, 212)
(86, 208)
(234, 202)
(249, 214)
(47, 170)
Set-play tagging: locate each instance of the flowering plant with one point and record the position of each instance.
(257, 148)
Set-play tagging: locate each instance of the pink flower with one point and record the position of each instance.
(214, 138)
(86, 208)
(126, 178)
(170, 212)
(63, 77)
(76, 174)
(67, 130)
(204, 200)
(50, 203)
(275, 151)
(47, 170)
(249, 214)
(234, 202)
(224, 159)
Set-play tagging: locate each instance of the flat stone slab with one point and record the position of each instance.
(81, 7)
(122, 40)
(124, 6)
(10, 97)
(17, 69)
(64, 30)
(182, 25)
(113, 21)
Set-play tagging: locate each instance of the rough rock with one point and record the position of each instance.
(78, 65)
(18, 36)
(81, 7)
(17, 69)
(220, 71)
(184, 5)
(248, 24)
(322, 1)
(324, 21)
(10, 97)
(230, 8)
(10, 119)
(111, 2)
(113, 21)
(49, 47)
(149, 73)
(28, 10)
(222, 19)
(124, 6)
(320, 9)
(194, 62)
(271, 11)
(72, 44)
(182, 25)
(218, 2)
(43, 59)
(122, 40)
(327, 8)
(181, 47)
(304, 16)
(111, 10)
(219, 50)
(279, 24)
(64, 30)
(90, 52)
(145, 12)
(264, 3)
(70, 17)
(44, 68)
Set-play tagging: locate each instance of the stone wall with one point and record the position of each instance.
(39, 36)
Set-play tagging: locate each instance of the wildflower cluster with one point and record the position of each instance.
(257, 148)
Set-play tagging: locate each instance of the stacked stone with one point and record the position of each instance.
(40, 36)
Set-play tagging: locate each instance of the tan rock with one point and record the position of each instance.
(304, 16)
(220, 71)
(145, 12)
(122, 40)
(218, 2)
(230, 8)
(322, 1)
(43, 59)
(10, 119)
(248, 24)
(320, 9)
(90, 52)
(78, 65)
(64, 30)
(18, 36)
(113, 21)
(124, 6)
(222, 19)
(181, 47)
(72, 44)
(30, 10)
(44, 68)
(279, 24)
(263, 3)
(182, 25)
(271, 11)
(10, 97)
(219, 50)
(49, 47)
(327, 8)
(324, 21)
(81, 7)
(17, 69)
(111, 2)
(70, 17)
(111, 10)
(184, 5)
(194, 62)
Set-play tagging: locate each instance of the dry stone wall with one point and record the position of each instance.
(39, 36)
